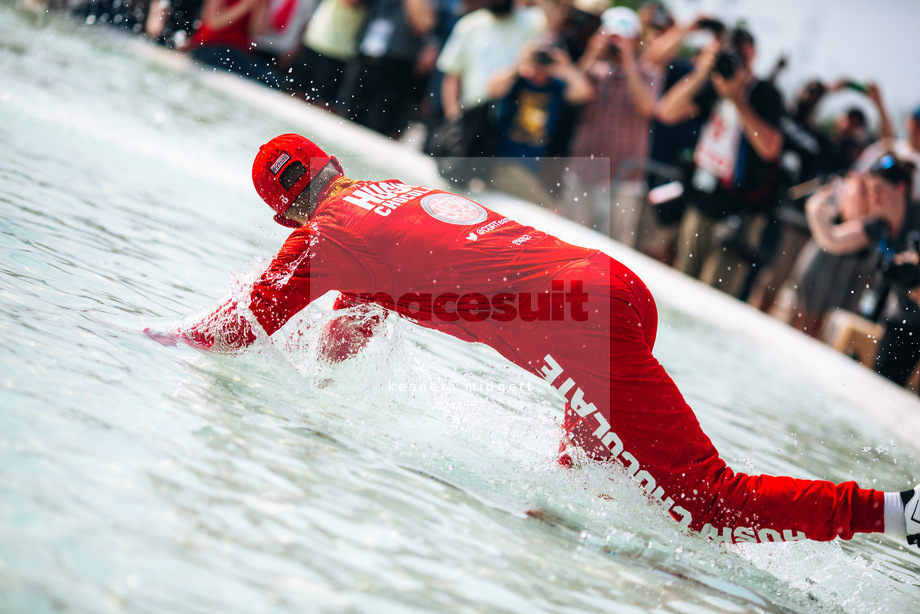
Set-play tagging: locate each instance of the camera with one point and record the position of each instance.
(543, 57)
(728, 62)
(905, 274)
(713, 25)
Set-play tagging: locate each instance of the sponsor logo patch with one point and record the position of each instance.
(453, 209)
(278, 164)
(488, 228)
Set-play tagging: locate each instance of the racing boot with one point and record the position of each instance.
(911, 500)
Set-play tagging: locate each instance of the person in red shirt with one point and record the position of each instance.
(226, 35)
(572, 316)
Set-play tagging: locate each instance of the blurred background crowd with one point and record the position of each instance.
(654, 131)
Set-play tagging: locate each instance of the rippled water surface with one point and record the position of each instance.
(140, 478)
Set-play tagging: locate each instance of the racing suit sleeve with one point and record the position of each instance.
(307, 267)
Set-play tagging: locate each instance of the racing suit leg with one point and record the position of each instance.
(639, 417)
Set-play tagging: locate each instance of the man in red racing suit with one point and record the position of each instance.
(573, 316)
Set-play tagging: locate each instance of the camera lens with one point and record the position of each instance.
(727, 63)
(543, 57)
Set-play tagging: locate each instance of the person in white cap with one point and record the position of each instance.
(615, 125)
(733, 190)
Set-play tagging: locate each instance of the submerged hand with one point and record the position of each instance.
(166, 338)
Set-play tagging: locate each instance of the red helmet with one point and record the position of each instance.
(284, 167)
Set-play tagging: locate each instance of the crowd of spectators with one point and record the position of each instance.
(654, 132)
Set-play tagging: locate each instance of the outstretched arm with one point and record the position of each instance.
(664, 48)
(886, 128)
(306, 268)
(678, 103)
(223, 330)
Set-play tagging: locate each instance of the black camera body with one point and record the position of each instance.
(905, 274)
(543, 57)
(713, 25)
(728, 62)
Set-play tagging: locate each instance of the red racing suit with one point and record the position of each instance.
(573, 316)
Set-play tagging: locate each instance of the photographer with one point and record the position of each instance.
(890, 234)
(734, 183)
(482, 43)
(615, 124)
(531, 98)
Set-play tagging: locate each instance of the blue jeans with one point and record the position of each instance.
(236, 61)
